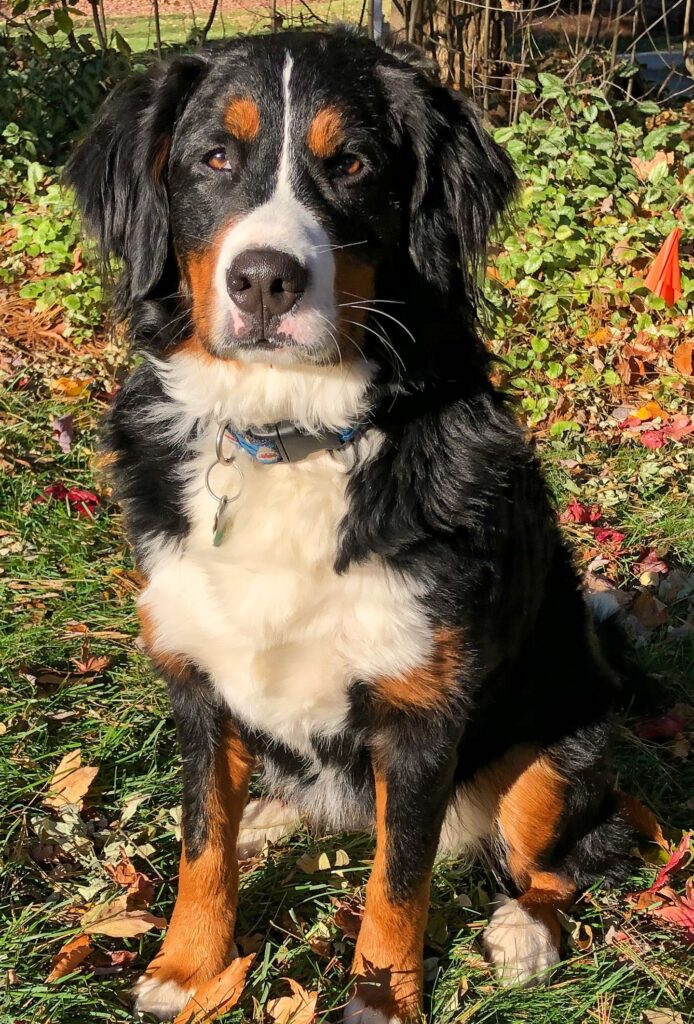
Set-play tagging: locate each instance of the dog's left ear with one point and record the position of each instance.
(119, 173)
(461, 180)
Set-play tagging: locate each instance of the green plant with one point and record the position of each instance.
(603, 185)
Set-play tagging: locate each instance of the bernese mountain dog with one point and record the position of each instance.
(353, 577)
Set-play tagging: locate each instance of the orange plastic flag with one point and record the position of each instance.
(664, 276)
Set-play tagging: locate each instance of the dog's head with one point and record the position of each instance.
(272, 189)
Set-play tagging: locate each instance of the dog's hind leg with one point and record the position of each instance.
(217, 766)
(522, 939)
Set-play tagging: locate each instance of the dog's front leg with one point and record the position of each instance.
(411, 797)
(217, 766)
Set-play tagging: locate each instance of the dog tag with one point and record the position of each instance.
(220, 522)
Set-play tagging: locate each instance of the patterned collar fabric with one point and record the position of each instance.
(284, 442)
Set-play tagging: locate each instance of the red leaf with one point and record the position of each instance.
(665, 727)
(653, 438)
(681, 911)
(604, 535)
(575, 512)
(650, 561)
(674, 863)
(82, 501)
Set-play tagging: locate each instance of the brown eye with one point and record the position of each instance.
(218, 160)
(347, 166)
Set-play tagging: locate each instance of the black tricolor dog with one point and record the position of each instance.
(353, 575)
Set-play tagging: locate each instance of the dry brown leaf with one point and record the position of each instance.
(650, 612)
(140, 889)
(298, 1008)
(218, 995)
(119, 920)
(662, 1017)
(683, 358)
(70, 781)
(69, 957)
(644, 168)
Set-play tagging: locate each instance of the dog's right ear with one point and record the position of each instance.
(119, 172)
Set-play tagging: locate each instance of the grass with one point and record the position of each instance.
(139, 31)
(68, 581)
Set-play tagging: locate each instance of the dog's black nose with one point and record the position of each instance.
(266, 282)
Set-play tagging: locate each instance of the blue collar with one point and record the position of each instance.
(284, 442)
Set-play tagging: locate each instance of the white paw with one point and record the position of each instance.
(519, 946)
(265, 821)
(163, 999)
(357, 1012)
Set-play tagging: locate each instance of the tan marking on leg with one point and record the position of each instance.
(431, 685)
(641, 819)
(199, 941)
(529, 816)
(325, 133)
(388, 957)
(242, 118)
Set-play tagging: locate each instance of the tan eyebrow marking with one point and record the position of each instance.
(325, 133)
(242, 118)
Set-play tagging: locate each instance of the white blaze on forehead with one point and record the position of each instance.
(285, 224)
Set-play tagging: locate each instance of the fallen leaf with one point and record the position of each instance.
(139, 887)
(112, 962)
(575, 512)
(348, 919)
(663, 727)
(650, 612)
(130, 806)
(119, 920)
(69, 387)
(644, 168)
(218, 995)
(662, 1017)
(70, 781)
(674, 863)
(89, 664)
(84, 502)
(69, 957)
(63, 432)
(651, 411)
(680, 911)
(651, 561)
(653, 439)
(683, 358)
(298, 1008)
(604, 535)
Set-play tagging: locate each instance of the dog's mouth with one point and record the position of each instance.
(278, 347)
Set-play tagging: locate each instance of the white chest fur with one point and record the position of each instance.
(281, 635)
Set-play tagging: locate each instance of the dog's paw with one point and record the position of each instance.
(163, 999)
(357, 1012)
(520, 948)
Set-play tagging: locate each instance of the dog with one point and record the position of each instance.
(353, 574)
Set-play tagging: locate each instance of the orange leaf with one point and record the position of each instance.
(298, 1008)
(69, 957)
(69, 387)
(70, 781)
(218, 995)
(683, 358)
(651, 411)
(663, 278)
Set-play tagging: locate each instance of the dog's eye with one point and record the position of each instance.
(218, 160)
(347, 165)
